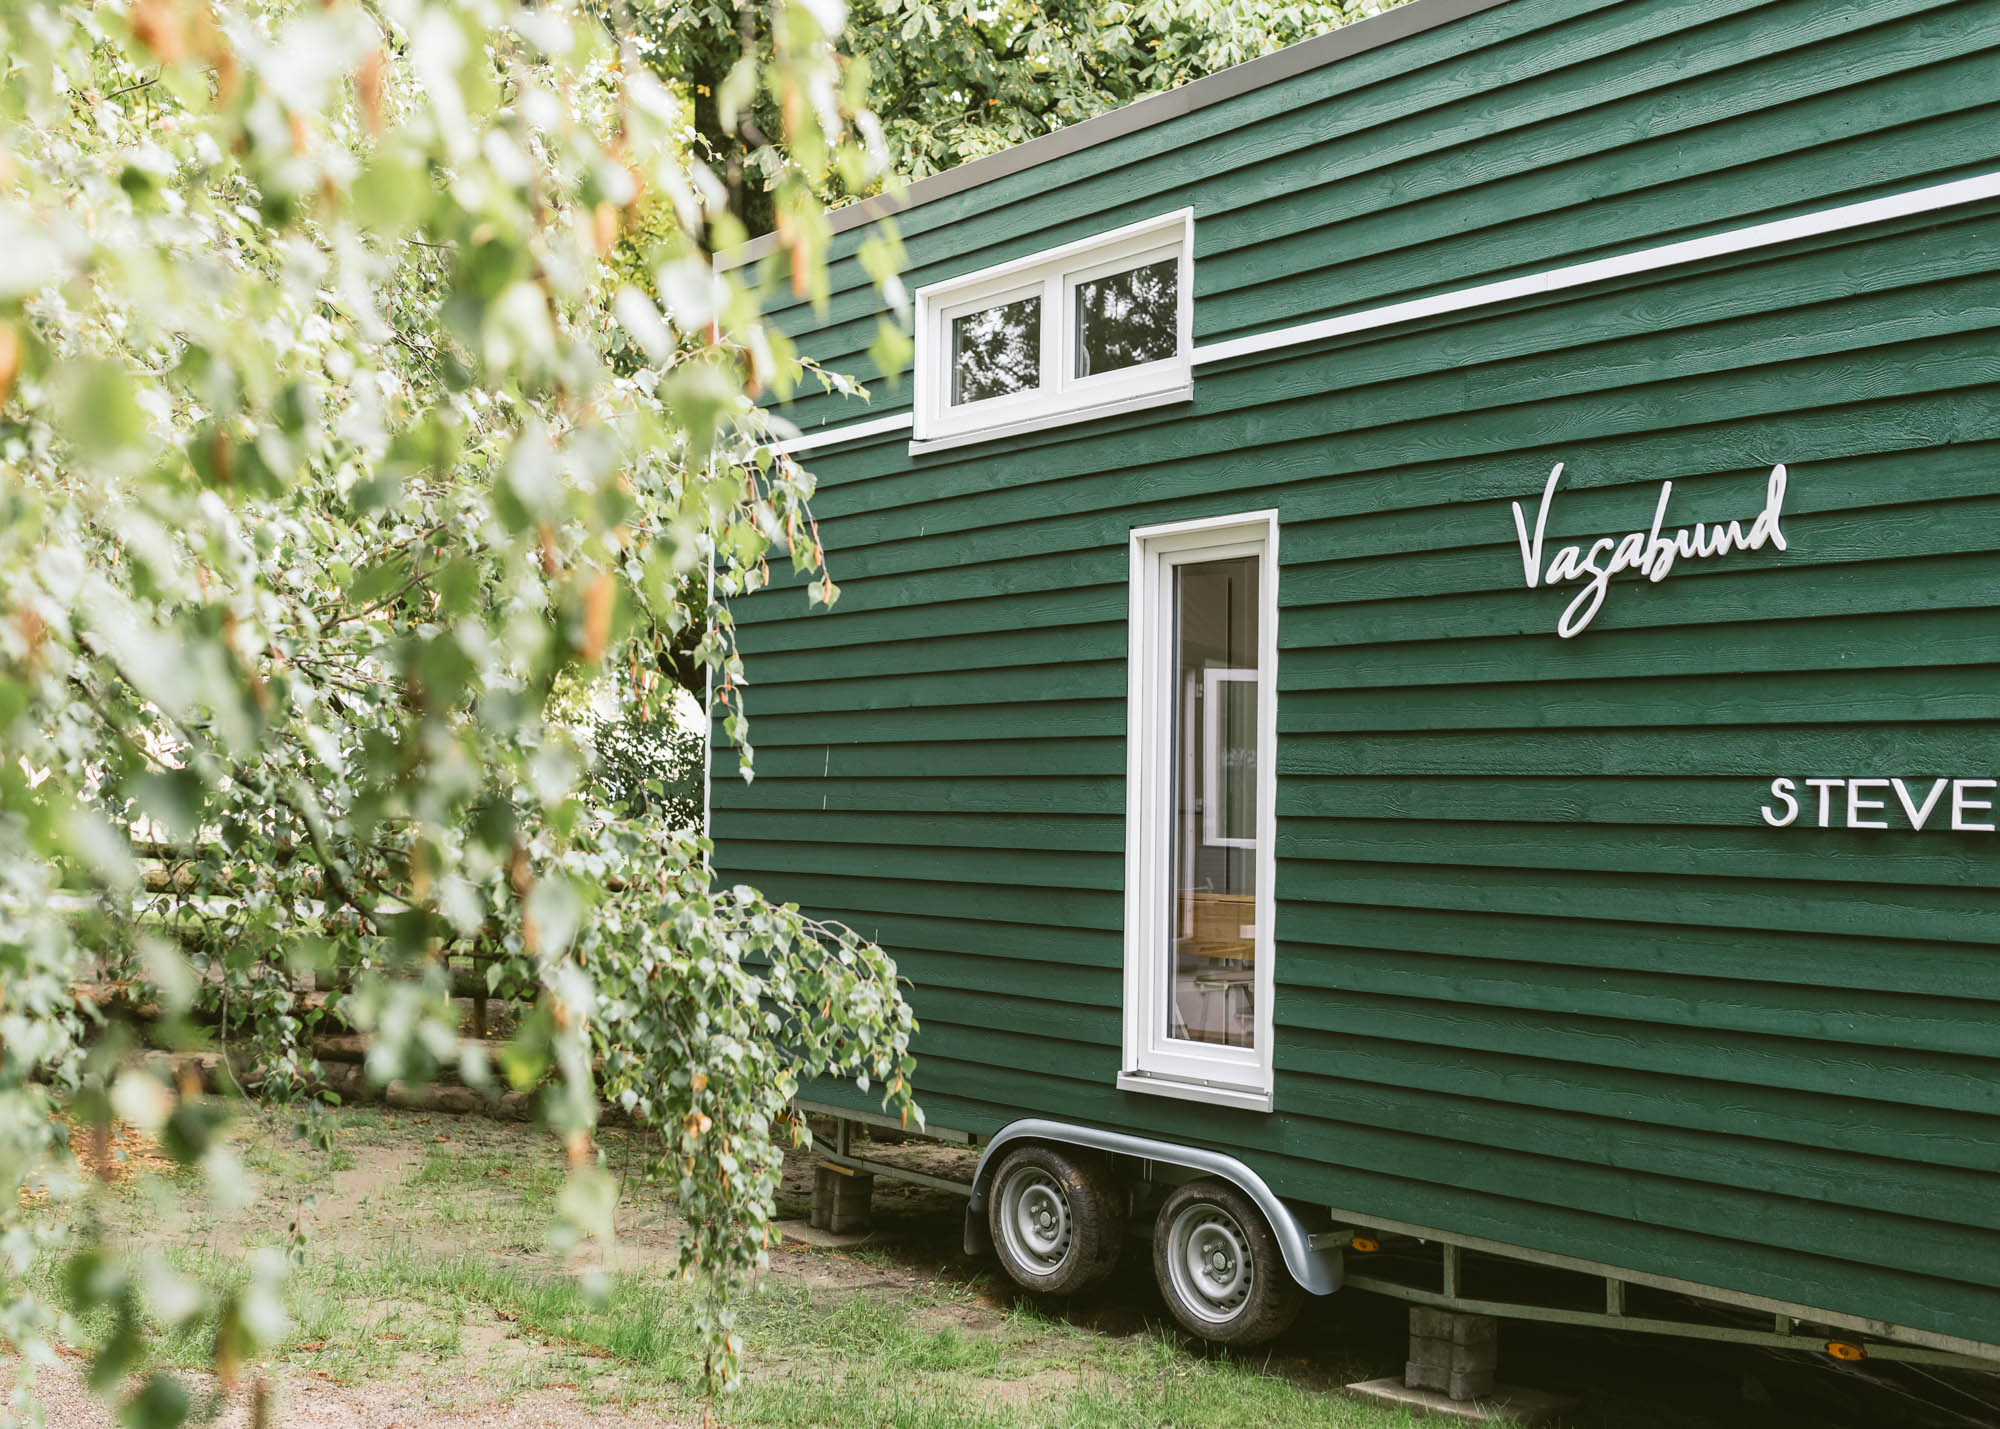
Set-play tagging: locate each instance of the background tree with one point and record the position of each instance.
(954, 80)
(334, 451)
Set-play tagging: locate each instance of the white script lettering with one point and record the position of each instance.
(1648, 552)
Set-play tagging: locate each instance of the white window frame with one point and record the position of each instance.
(1061, 396)
(1153, 1062)
(1211, 754)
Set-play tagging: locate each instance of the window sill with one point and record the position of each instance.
(1060, 417)
(1242, 1098)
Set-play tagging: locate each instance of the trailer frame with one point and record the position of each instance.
(1794, 1327)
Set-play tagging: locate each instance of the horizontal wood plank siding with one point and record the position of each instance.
(1544, 974)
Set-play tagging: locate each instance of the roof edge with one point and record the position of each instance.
(1411, 18)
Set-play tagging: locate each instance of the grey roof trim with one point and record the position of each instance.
(1410, 18)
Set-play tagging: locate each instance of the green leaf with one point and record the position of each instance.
(100, 413)
(169, 971)
(389, 192)
(523, 1063)
(160, 1403)
(891, 350)
(372, 582)
(190, 1131)
(172, 797)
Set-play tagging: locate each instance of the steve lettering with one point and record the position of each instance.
(1963, 805)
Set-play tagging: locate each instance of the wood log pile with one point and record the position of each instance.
(340, 1051)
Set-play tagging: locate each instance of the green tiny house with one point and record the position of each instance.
(1281, 700)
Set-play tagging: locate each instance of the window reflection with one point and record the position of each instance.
(996, 351)
(1128, 318)
(1215, 802)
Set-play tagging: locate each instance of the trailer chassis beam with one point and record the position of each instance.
(894, 1172)
(1883, 1341)
(1682, 1329)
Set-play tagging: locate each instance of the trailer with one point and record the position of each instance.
(1417, 673)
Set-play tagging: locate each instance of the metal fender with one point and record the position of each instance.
(1316, 1268)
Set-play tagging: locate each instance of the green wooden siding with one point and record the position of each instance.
(1543, 974)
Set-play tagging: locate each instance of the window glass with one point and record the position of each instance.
(1215, 803)
(1128, 318)
(996, 350)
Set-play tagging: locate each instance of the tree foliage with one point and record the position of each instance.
(955, 80)
(365, 384)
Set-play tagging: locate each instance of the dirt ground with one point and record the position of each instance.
(429, 1295)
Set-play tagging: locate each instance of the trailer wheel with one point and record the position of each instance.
(1055, 1220)
(1219, 1266)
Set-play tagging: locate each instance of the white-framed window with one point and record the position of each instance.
(1091, 329)
(1201, 820)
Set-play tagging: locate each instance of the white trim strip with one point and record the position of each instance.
(854, 432)
(1692, 250)
(1646, 260)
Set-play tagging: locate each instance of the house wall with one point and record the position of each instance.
(1544, 974)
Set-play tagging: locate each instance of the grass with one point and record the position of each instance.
(429, 1264)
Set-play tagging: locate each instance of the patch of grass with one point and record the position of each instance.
(482, 1200)
(790, 1322)
(453, 1166)
(284, 1165)
(640, 1322)
(1054, 1376)
(369, 1124)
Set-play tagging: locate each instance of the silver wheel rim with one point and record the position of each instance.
(1209, 1262)
(1035, 1220)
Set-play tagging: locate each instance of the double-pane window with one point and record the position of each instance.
(1091, 329)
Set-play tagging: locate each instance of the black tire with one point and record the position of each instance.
(1219, 1267)
(1055, 1218)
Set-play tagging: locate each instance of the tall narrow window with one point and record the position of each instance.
(1199, 865)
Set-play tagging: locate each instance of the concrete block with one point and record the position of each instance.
(1448, 1354)
(1454, 1384)
(1450, 1325)
(841, 1198)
